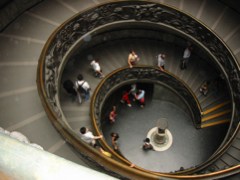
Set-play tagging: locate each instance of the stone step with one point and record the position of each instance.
(216, 107)
(218, 122)
(216, 115)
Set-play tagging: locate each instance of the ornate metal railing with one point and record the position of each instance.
(139, 74)
(140, 11)
(146, 74)
(61, 43)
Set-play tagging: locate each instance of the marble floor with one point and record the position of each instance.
(190, 146)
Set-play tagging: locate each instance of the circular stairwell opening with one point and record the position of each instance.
(113, 55)
(112, 45)
(190, 146)
(82, 69)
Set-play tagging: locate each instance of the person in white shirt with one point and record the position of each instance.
(132, 58)
(82, 86)
(140, 96)
(161, 61)
(88, 137)
(96, 68)
(186, 57)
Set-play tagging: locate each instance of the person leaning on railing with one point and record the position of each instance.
(88, 137)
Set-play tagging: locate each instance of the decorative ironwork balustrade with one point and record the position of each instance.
(145, 74)
(139, 11)
(73, 31)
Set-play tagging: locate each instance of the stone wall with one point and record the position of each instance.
(11, 9)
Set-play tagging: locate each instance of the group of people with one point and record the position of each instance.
(133, 58)
(88, 137)
(183, 62)
(81, 88)
(134, 94)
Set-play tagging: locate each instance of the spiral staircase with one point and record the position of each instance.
(23, 40)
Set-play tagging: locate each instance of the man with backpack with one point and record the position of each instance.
(82, 86)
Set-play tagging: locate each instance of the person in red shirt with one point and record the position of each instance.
(125, 99)
(112, 115)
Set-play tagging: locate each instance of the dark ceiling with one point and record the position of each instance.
(233, 4)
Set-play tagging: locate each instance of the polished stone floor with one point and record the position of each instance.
(190, 146)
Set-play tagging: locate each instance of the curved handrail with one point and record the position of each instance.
(149, 78)
(157, 13)
(215, 156)
(118, 72)
(85, 150)
(67, 34)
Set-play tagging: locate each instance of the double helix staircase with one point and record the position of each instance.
(22, 42)
(114, 55)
